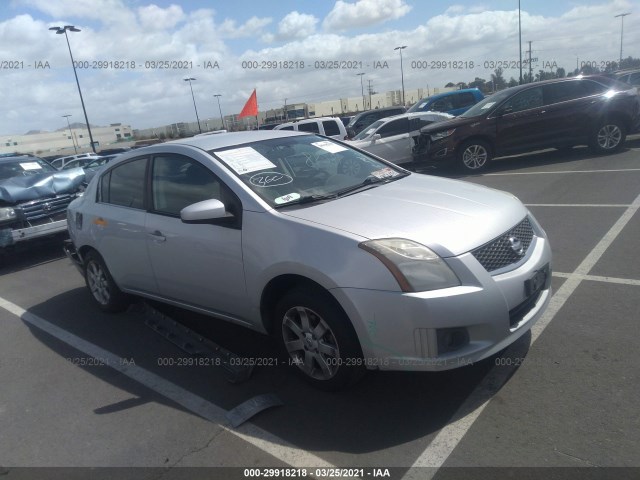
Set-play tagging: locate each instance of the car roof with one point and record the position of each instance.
(411, 115)
(452, 92)
(223, 140)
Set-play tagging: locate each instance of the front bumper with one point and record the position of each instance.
(9, 236)
(403, 331)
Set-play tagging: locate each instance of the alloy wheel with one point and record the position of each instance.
(310, 342)
(609, 137)
(98, 283)
(475, 156)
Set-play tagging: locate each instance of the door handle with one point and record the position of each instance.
(158, 237)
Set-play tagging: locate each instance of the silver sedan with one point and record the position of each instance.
(351, 269)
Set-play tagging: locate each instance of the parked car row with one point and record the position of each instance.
(596, 111)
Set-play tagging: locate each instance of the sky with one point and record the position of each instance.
(281, 48)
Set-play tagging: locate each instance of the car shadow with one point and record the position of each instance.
(384, 410)
(29, 254)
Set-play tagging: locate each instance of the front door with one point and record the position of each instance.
(197, 264)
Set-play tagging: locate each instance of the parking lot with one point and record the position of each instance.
(81, 388)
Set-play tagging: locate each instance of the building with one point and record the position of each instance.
(75, 138)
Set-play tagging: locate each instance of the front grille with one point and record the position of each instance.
(38, 212)
(498, 253)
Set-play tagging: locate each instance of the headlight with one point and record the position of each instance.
(415, 267)
(7, 214)
(441, 135)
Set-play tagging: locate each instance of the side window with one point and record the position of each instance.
(526, 100)
(442, 105)
(634, 79)
(562, 92)
(465, 99)
(290, 127)
(330, 127)
(124, 185)
(309, 127)
(395, 127)
(179, 181)
(588, 87)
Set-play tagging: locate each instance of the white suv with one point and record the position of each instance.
(328, 126)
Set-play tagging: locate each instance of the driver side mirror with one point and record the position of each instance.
(505, 111)
(204, 212)
(376, 137)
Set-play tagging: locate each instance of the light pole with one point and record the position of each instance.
(401, 70)
(190, 79)
(71, 133)
(622, 15)
(520, 40)
(60, 31)
(362, 89)
(217, 95)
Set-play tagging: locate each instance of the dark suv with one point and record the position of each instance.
(561, 113)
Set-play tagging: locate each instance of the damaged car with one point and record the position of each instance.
(34, 197)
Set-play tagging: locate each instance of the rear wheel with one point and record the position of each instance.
(104, 290)
(608, 136)
(474, 156)
(319, 339)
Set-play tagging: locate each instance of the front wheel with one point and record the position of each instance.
(474, 156)
(608, 137)
(319, 339)
(104, 290)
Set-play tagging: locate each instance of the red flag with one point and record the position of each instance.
(250, 108)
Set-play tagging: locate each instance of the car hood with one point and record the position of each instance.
(21, 189)
(449, 216)
(447, 124)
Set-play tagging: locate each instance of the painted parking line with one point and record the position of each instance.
(559, 171)
(450, 436)
(598, 278)
(265, 441)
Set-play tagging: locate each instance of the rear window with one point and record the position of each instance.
(330, 127)
(122, 185)
(309, 127)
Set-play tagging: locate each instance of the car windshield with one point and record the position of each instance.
(369, 130)
(487, 104)
(418, 106)
(99, 161)
(23, 167)
(300, 169)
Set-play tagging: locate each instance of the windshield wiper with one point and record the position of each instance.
(368, 182)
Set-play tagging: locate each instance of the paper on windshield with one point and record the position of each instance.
(31, 166)
(488, 105)
(245, 160)
(290, 197)
(329, 146)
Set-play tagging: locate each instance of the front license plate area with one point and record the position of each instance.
(537, 281)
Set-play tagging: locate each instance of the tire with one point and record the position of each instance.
(103, 289)
(474, 156)
(318, 339)
(608, 136)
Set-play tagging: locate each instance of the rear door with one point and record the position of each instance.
(567, 107)
(118, 221)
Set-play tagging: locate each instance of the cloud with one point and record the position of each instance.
(106, 11)
(153, 17)
(251, 28)
(363, 13)
(293, 26)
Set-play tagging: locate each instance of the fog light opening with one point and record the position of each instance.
(452, 339)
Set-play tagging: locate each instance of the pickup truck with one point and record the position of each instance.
(34, 197)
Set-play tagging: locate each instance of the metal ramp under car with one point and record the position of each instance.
(235, 370)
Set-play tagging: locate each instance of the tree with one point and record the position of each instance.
(461, 85)
(560, 73)
(449, 85)
(479, 83)
(512, 82)
(497, 77)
